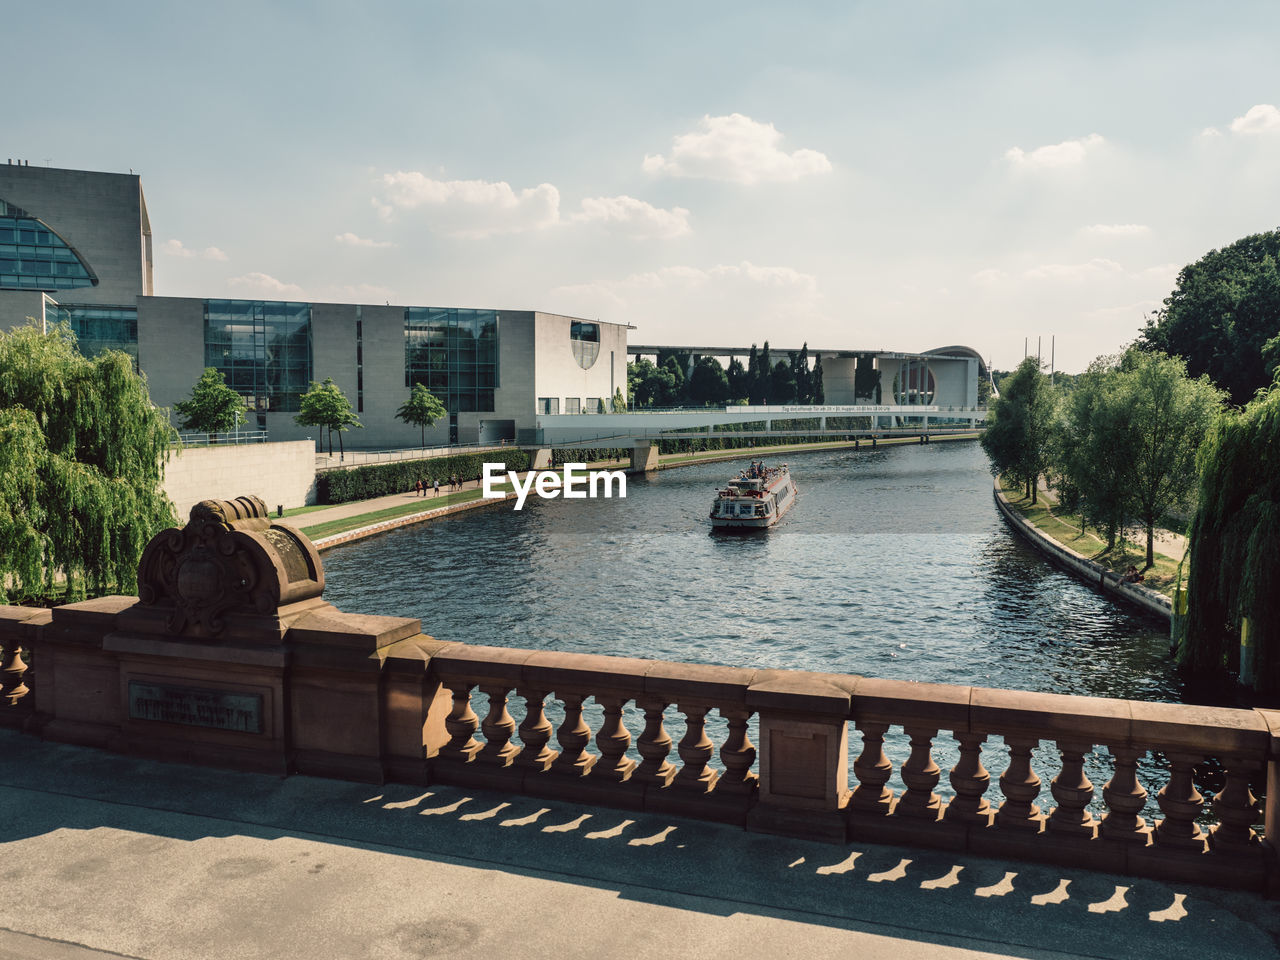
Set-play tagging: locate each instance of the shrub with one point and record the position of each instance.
(381, 479)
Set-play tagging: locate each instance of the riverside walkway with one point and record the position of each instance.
(103, 856)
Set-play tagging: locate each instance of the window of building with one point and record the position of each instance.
(454, 354)
(585, 339)
(262, 348)
(572, 404)
(33, 257)
(102, 328)
(594, 405)
(548, 404)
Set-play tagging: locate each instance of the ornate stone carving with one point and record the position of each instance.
(230, 562)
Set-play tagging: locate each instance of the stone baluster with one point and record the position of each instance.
(695, 751)
(535, 732)
(1125, 797)
(921, 775)
(1236, 808)
(613, 738)
(873, 770)
(460, 724)
(498, 728)
(1073, 791)
(738, 754)
(1180, 802)
(969, 779)
(653, 746)
(573, 735)
(12, 687)
(1020, 786)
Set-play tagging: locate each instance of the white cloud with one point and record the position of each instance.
(686, 302)
(1092, 269)
(989, 277)
(1210, 132)
(1069, 153)
(265, 284)
(638, 217)
(176, 248)
(738, 149)
(1260, 118)
(471, 208)
(1116, 230)
(351, 240)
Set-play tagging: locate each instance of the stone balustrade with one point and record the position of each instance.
(479, 716)
(229, 656)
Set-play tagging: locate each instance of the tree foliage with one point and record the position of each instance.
(422, 409)
(1223, 317)
(1129, 433)
(213, 407)
(665, 384)
(82, 454)
(325, 405)
(1235, 544)
(1019, 425)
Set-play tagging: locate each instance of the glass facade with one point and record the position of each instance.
(454, 354)
(263, 348)
(33, 257)
(102, 328)
(585, 338)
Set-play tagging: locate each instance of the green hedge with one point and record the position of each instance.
(381, 479)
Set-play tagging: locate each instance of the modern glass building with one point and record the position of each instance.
(76, 247)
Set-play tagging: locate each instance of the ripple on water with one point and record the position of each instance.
(898, 546)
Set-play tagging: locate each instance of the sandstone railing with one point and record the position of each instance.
(405, 712)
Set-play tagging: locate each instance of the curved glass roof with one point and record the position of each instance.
(34, 257)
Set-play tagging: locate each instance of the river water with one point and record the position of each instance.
(893, 563)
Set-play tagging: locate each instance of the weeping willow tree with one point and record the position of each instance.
(1235, 545)
(82, 454)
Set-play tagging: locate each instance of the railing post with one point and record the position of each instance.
(804, 759)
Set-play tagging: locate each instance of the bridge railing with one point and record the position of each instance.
(1176, 797)
(653, 725)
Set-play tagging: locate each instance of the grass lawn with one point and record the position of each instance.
(333, 527)
(1065, 528)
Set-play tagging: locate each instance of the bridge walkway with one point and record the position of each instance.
(106, 856)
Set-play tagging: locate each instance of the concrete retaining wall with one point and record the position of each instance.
(280, 473)
(1092, 573)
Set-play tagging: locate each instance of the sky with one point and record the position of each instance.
(851, 175)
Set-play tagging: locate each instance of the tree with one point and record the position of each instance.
(214, 407)
(1223, 314)
(782, 385)
(815, 380)
(1092, 424)
(82, 453)
(324, 405)
(801, 375)
(1169, 415)
(422, 409)
(619, 401)
(1017, 438)
(1235, 544)
(737, 377)
(709, 384)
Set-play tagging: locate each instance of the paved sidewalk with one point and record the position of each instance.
(108, 856)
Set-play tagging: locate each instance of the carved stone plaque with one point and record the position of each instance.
(219, 709)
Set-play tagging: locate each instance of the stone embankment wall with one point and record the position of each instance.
(280, 473)
(1092, 573)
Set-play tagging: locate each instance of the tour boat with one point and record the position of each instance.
(755, 499)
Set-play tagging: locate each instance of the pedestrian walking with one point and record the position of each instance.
(436, 485)
(417, 487)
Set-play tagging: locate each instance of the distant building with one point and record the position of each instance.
(76, 246)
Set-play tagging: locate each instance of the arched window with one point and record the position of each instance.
(34, 257)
